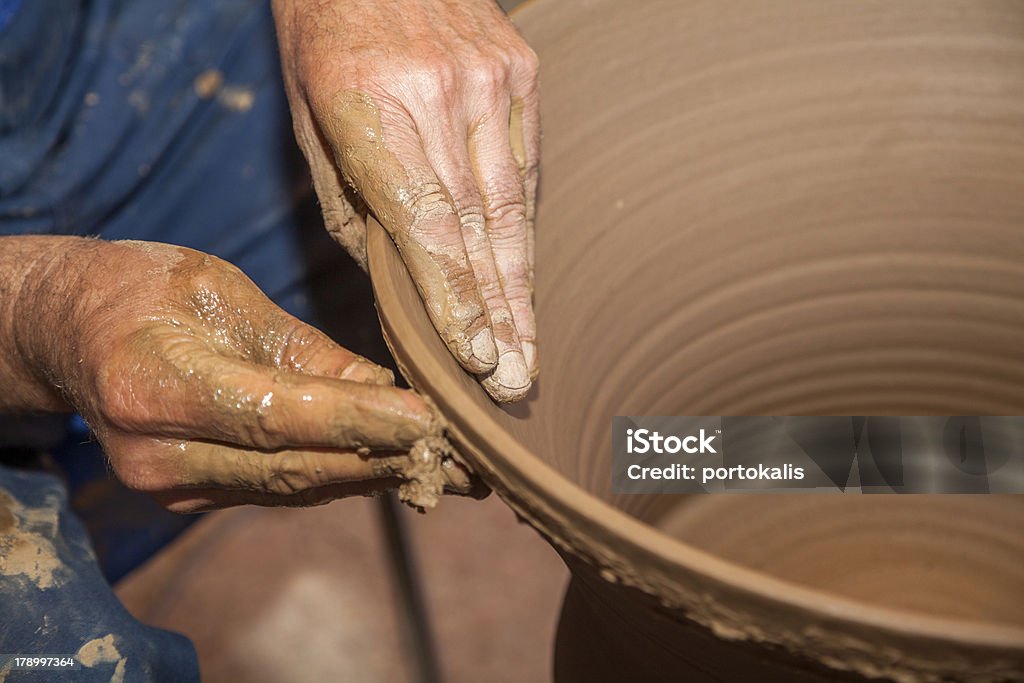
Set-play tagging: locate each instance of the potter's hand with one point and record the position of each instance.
(205, 393)
(430, 110)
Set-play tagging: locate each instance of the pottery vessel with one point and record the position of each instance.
(754, 208)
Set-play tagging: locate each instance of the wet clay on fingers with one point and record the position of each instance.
(431, 468)
(205, 394)
(401, 203)
(222, 310)
(751, 208)
(411, 203)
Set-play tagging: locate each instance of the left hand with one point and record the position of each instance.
(205, 394)
(430, 110)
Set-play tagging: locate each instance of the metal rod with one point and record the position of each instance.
(420, 635)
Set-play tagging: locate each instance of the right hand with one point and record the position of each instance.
(430, 111)
(205, 394)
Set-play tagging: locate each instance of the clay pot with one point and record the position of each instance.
(763, 208)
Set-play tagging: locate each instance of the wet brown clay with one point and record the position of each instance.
(763, 208)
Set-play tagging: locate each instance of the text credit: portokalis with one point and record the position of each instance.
(824, 454)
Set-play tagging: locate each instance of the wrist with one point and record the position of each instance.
(44, 309)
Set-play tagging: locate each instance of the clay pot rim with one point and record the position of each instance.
(477, 433)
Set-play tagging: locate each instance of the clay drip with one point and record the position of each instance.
(431, 468)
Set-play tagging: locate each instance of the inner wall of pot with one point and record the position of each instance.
(788, 209)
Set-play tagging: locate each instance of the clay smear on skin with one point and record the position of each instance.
(517, 140)
(431, 468)
(500, 388)
(391, 193)
(510, 380)
(25, 548)
(238, 332)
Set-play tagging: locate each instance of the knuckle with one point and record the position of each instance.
(208, 270)
(446, 73)
(302, 346)
(471, 217)
(490, 76)
(435, 82)
(288, 344)
(507, 211)
(517, 291)
(428, 203)
(289, 474)
(528, 62)
(267, 428)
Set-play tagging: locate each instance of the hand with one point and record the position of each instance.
(429, 108)
(206, 394)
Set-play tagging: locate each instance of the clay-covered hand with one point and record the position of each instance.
(429, 108)
(206, 394)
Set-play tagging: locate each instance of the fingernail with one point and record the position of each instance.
(361, 370)
(484, 349)
(530, 356)
(384, 376)
(510, 380)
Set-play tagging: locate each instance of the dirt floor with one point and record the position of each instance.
(308, 595)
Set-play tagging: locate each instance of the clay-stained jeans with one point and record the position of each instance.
(55, 602)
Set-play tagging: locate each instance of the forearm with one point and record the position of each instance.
(39, 306)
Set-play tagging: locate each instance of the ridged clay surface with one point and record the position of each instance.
(766, 208)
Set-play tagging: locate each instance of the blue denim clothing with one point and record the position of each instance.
(158, 120)
(56, 602)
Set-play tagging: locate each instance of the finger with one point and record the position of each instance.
(278, 410)
(505, 208)
(188, 476)
(279, 473)
(449, 154)
(299, 347)
(196, 393)
(524, 139)
(202, 464)
(364, 370)
(194, 475)
(396, 181)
